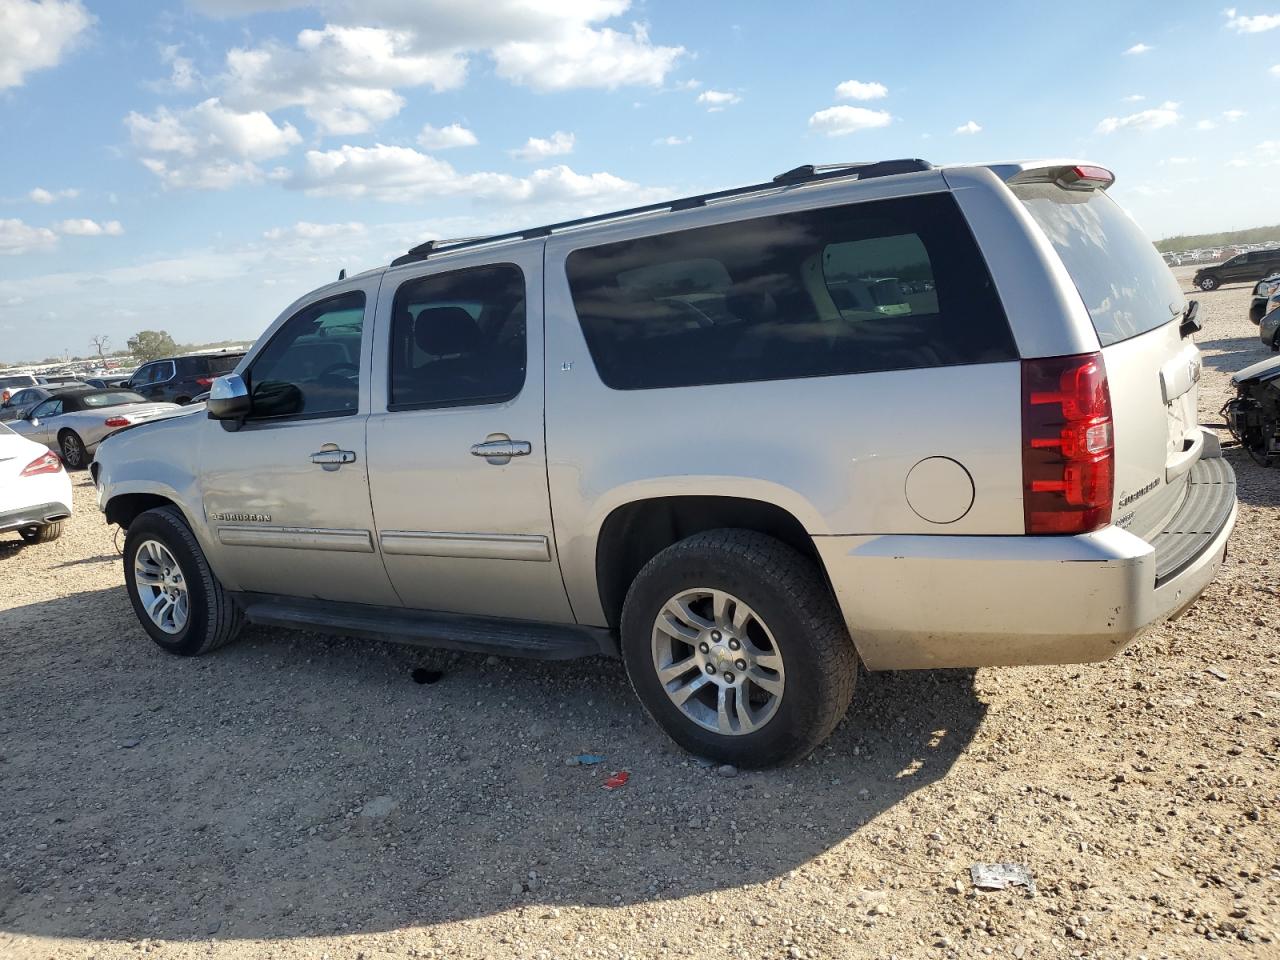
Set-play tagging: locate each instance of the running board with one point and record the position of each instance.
(448, 631)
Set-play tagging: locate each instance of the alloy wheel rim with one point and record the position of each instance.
(161, 586)
(70, 450)
(717, 661)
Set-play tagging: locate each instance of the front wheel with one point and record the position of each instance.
(74, 454)
(1209, 283)
(736, 648)
(174, 593)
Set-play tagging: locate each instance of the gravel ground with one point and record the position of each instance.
(294, 796)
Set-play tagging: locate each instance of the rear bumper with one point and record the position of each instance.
(945, 601)
(33, 516)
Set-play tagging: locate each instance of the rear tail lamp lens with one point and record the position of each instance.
(204, 381)
(117, 422)
(47, 463)
(1068, 448)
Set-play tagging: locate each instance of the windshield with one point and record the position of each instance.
(1123, 281)
(111, 399)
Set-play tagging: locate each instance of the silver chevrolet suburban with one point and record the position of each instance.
(890, 413)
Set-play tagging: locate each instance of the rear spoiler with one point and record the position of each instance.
(1070, 174)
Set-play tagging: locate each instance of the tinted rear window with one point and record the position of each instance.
(223, 364)
(1124, 282)
(883, 285)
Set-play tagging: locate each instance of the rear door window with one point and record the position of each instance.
(882, 285)
(458, 338)
(1126, 286)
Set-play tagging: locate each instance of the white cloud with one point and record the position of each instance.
(582, 56)
(1231, 116)
(1255, 24)
(1206, 125)
(969, 128)
(842, 120)
(1138, 48)
(717, 100)
(1165, 115)
(860, 90)
(344, 78)
(17, 237)
(1134, 98)
(1265, 154)
(303, 230)
(445, 138)
(89, 228)
(208, 146)
(1177, 161)
(400, 174)
(41, 195)
(671, 141)
(182, 71)
(34, 36)
(538, 148)
(1275, 71)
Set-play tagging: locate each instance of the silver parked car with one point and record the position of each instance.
(74, 422)
(890, 413)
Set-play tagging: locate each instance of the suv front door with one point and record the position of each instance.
(456, 458)
(286, 496)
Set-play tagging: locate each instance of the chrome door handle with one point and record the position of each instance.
(333, 458)
(501, 450)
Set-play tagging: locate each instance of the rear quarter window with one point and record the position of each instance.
(881, 285)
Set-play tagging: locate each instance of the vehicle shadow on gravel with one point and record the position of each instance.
(292, 785)
(1230, 354)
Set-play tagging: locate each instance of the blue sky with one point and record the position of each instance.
(195, 165)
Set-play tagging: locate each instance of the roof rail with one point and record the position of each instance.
(809, 173)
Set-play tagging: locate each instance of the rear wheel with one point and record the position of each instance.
(74, 454)
(174, 593)
(736, 648)
(45, 533)
(1209, 283)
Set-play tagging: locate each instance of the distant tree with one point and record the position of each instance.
(100, 343)
(151, 345)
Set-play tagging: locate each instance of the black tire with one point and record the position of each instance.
(1256, 312)
(72, 449)
(45, 533)
(787, 590)
(182, 401)
(213, 619)
(1209, 283)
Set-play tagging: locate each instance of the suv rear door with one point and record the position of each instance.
(1153, 372)
(457, 462)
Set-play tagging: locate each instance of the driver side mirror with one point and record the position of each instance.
(228, 398)
(35, 421)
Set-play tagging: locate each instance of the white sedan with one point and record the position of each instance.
(35, 491)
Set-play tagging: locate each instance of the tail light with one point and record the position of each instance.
(116, 422)
(1068, 444)
(4, 396)
(205, 381)
(48, 463)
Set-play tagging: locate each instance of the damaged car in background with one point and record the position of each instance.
(1253, 415)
